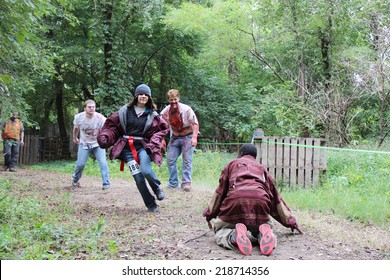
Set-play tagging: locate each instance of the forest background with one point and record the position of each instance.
(291, 68)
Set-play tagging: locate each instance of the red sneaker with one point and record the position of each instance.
(267, 241)
(241, 240)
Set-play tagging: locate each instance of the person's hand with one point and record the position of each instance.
(21, 143)
(294, 225)
(194, 141)
(205, 212)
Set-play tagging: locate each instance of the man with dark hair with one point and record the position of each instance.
(243, 204)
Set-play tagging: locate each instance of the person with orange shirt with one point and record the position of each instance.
(13, 138)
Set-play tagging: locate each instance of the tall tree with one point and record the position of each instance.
(21, 55)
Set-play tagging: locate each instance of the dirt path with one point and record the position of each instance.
(179, 232)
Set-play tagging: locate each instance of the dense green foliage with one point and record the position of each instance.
(292, 68)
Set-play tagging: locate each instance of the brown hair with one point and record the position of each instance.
(89, 101)
(150, 104)
(173, 93)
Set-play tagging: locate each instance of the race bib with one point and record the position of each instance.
(134, 167)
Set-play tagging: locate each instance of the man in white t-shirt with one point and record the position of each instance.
(86, 126)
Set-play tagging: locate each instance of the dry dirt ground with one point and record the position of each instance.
(179, 232)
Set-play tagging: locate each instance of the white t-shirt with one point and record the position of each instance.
(89, 128)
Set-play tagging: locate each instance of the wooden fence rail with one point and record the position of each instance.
(37, 149)
(295, 161)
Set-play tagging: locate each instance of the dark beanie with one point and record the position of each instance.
(142, 89)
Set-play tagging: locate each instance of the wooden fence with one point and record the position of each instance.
(295, 161)
(37, 149)
(30, 151)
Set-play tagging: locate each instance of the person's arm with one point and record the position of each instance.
(195, 132)
(2, 124)
(110, 132)
(22, 136)
(219, 195)
(76, 131)
(195, 127)
(279, 209)
(164, 114)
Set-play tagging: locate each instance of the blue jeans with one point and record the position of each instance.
(177, 146)
(82, 158)
(11, 152)
(146, 172)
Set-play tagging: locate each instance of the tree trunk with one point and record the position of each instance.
(161, 98)
(326, 37)
(108, 9)
(45, 123)
(108, 97)
(301, 77)
(58, 87)
(381, 46)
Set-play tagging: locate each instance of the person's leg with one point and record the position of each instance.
(135, 170)
(223, 231)
(148, 173)
(100, 155)
(232, 236)
(82, 158)
(173, 153)
(267, 239)
(14, 154)
(187, 152)
(7, 145)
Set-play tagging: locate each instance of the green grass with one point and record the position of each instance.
(207, 167)
(357, 187)
(33, 229)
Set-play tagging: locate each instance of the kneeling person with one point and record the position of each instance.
(243, 204)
